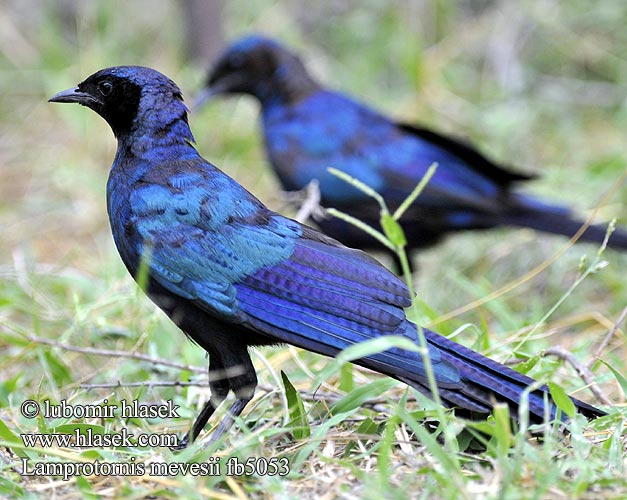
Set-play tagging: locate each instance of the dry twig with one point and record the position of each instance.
(609, 336)
(582, 370)
(309, 205)
(116, 354)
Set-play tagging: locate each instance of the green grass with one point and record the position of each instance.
(536, 84)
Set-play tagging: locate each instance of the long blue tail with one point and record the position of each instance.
(534, 214)
(483, 382)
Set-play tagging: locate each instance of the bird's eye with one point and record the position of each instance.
(105, 88)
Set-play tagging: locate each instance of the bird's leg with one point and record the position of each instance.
(226, 423)
(243, 383)
(227, 370)
(219, 384)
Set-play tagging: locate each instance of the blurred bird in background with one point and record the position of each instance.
(308, 128)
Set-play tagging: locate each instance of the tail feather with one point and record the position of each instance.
(484, 382)
(534, 214)
(567, 226)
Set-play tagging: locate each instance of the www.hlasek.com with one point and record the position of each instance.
(88, 438)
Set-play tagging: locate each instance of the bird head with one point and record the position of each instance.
(259, 66)
(123, 95)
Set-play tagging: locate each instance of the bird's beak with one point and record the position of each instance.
(203, 96)
(74, 95)
(222, 85)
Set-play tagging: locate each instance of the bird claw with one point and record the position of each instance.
(182, 444)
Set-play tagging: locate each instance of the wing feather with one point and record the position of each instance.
(284, 280)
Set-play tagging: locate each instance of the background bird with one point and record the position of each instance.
(308, 129)
(232, 274)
